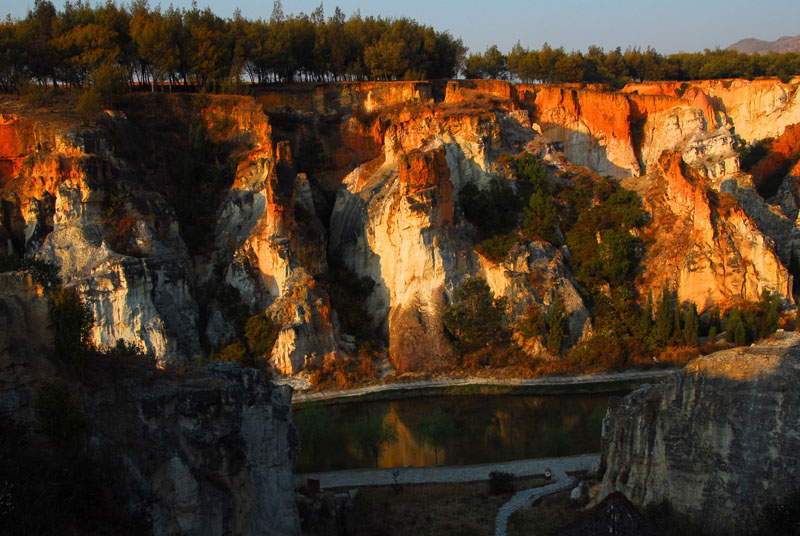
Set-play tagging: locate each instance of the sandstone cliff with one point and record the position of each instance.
(210, 453)
(396, 221)
(189, 212)
(714, 253)
(718, 440)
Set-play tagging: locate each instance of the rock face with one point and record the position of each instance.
(368, 175)
(208, 454)
(714, 253)
(717, 440)
(220, 450)
(59, 187)
(396, 220)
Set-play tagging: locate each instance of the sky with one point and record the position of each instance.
(668, 26)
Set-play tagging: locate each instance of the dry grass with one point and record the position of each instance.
(430, 509)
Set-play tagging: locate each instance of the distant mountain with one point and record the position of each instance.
(757, 46)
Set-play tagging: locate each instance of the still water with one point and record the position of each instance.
(486, 429)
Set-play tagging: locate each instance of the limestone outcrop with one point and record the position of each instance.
(718, 440)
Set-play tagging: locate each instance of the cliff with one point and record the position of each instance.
(718, 440)
(183, 215)
(207, 453)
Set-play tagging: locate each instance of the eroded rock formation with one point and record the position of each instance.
(368, 175)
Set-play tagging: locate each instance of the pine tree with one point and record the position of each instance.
(664, 321)
(646, 320)
(691, 326)
(677, 322)
(737, 333)
(712, 334)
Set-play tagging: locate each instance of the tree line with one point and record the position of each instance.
(139, 44)
(135, 44)
(618, 68)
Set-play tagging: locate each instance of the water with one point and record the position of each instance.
(486, 429)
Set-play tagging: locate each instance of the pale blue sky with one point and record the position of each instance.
(668, 26)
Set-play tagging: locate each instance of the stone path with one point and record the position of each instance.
(455, 473)
(520, 499)
(556, 380)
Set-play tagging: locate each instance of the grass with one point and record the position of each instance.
(431, 509)
(545, 519)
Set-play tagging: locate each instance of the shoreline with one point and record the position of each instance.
(557, 385)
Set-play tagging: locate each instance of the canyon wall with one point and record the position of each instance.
(718, 440)
(368, 176)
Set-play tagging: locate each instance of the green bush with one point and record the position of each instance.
(348, 293)
(475, 320)
(541, 218)
(532, 324)
(261, 333)
(750, 155)
(43, 273)
(493, 211)
(497, 247)
(128, 351)
(234, 352)
(604, 351)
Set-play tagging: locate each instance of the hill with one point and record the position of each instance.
(757, 46)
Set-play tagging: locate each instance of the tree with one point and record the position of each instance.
(435, 430)
(556, 326)
(314, 426)
(475, 320)
(372, 434)
(541, 219)
(261, 333)
(72, 324)
(664, 321)
(770, 313)
(677, 319)
(691, 326)
(736, 331)
(157, 40)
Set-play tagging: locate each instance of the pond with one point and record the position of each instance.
(472, 429)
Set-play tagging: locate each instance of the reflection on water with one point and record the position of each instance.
(488, 428)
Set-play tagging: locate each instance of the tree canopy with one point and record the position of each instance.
(151, 46)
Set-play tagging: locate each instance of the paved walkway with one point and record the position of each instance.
(599, 379)
(520, 499)
(455, 473)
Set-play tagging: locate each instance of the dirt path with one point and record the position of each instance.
(354, 478)
(433, 385)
